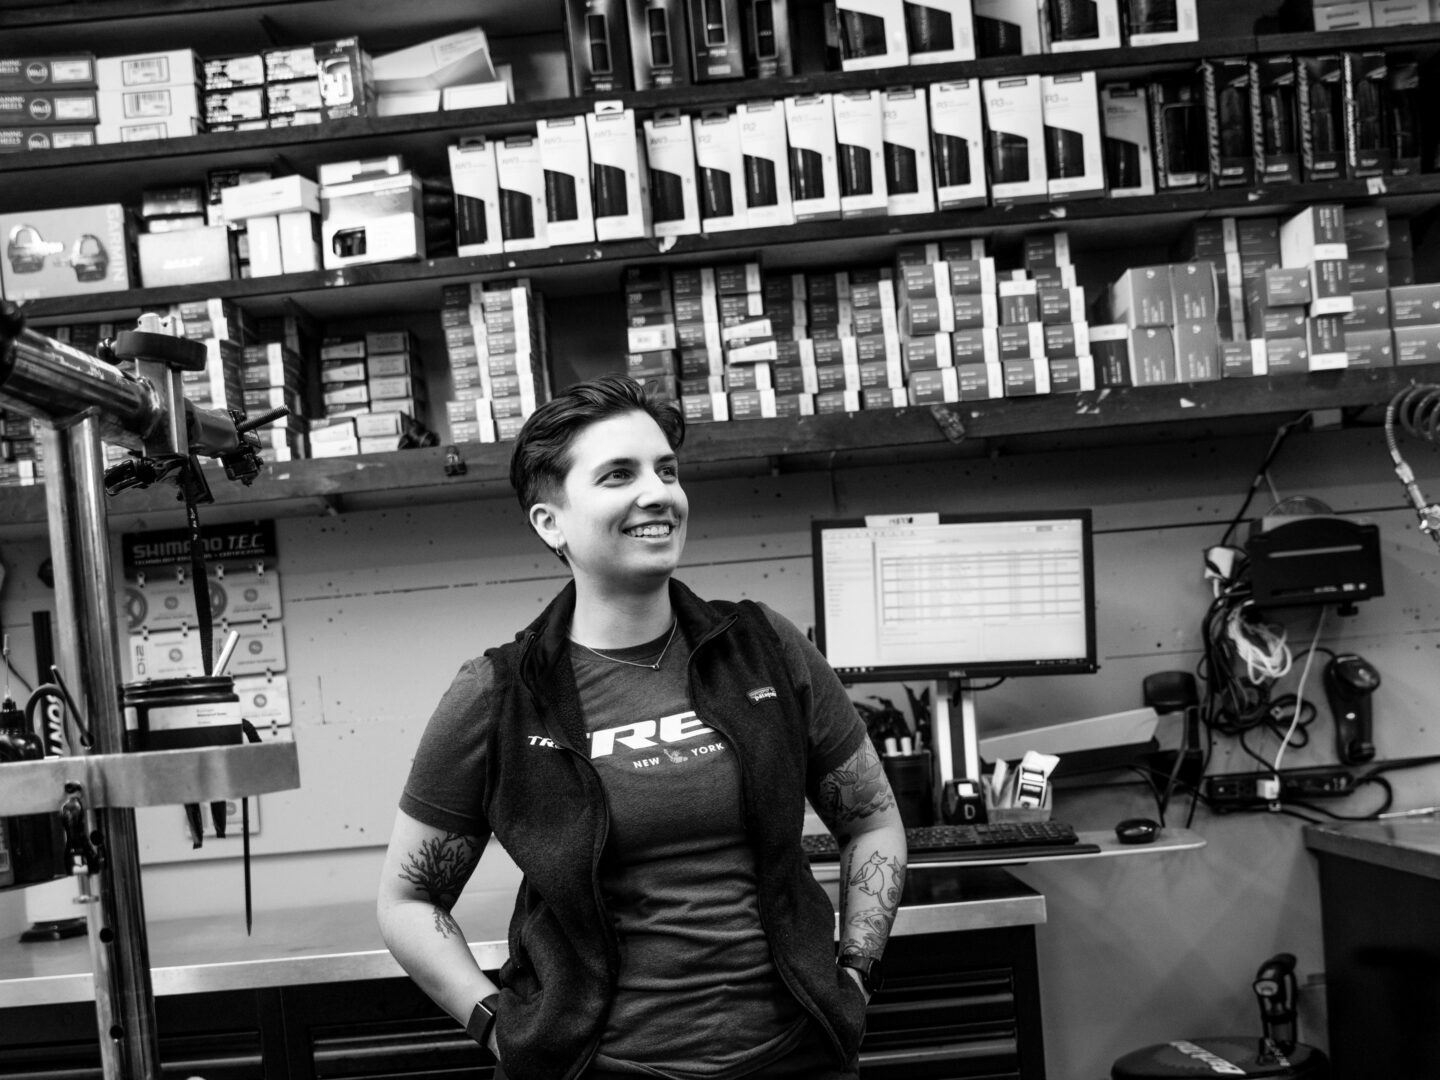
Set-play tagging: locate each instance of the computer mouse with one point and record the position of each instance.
(1136, 830)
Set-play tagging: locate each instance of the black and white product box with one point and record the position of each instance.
(228, 72)
(767, 43)
(717, 33)
(1008, 28)
(598, 35)
(1343, 16)
(1400, 12)
(1074, 156)
(1077, 25)
(565, 158)
(957, 127)
(674, 198)
(299, 241)
(1163, 22)
(522, 193)
(1315, 237)
(1367, 148)
(185, 257)
(814, 175)
(1320, 95)
(659, 49)
(1015, 116)
(346, 78)
(764, 145)
(720, 171)
(1274, 123)
(370, 221)
(860, 152)
(68, 71)
(1142, 296)
(939, 31)
(477, 197)
(620, 176)
(1227, 121)
(905, 130)
(872, 34)
(1405, 107)
(1177, 125)
(1129, 163)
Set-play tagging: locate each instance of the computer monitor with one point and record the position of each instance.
(955, 597)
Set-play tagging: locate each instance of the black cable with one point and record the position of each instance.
(1281, 434)
(201, 583)
(1145, 774)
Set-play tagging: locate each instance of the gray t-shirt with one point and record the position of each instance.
(699, 997)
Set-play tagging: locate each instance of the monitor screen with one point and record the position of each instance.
(955, 597)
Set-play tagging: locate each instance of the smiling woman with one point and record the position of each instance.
(645, 757)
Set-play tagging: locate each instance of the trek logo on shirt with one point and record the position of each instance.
(647, 734)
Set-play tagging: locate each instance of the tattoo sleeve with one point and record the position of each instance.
(438, 870)
(857, 805)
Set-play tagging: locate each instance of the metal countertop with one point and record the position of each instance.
(1409, 844)
(341, 943)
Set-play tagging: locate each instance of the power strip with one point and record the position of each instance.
(1236, 790)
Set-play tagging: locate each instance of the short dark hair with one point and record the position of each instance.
(542, 450)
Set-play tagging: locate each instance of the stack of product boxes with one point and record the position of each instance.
(279, 216)
(47, 102)
(149, 96)
(300, 335)
(19, 451)
(288, 86)
(372, 391)
(495, 343)
(1364, 14)
(226, 330)
(176, 246)
(1170, 329)
(1313, 242)
(292, 87)
(651, 338)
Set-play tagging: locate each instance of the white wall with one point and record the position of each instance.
(381, 607)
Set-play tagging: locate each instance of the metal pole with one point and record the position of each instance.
(89, 660)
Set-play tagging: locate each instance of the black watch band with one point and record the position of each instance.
(482, 1019)
(872, 971)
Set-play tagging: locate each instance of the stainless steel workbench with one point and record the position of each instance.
(341, 943)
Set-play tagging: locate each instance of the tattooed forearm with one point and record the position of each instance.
(438, 870)
(855, 790)
(872, 895)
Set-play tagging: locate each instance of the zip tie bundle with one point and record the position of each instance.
(1262, 648)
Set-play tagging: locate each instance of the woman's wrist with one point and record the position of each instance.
(481, 1026)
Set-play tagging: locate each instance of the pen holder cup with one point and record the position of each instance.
(999, 814)
(911, 780)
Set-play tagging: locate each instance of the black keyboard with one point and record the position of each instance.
(1024, 840)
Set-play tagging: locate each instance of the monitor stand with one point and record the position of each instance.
(943, 732)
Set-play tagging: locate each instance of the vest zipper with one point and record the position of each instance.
(613, 946)
(781, 967)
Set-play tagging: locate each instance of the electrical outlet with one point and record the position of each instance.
(1236, 791)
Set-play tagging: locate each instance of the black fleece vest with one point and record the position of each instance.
(546, 807)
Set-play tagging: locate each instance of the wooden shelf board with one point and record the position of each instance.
(409, 477)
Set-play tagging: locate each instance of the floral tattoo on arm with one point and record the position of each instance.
(438, 870)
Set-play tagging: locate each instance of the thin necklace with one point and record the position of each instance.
(615, 659)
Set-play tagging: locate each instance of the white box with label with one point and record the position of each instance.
(957, 126)
(814, 177)
(905, 129)
(1015, 115)
(860, 152)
